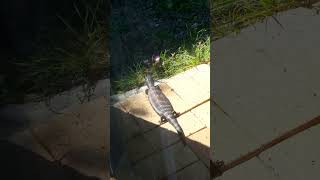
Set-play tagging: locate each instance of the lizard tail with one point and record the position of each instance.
(178, 128)
(182, 137)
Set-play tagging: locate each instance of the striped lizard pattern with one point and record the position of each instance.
(162, 106)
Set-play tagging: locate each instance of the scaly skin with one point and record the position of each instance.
(162, 106)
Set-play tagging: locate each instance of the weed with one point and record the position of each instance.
(172, 63)
(80, 59)
(176, 29)
(232, 15)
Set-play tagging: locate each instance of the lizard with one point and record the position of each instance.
(162, 106)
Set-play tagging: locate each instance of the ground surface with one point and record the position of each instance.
(77, 137)
(155, 152)
(266, 80)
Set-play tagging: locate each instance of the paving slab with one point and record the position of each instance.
(192, 172)
(88, 160)
(200, 145)
(79, 137)
(125, 121)
(297, 157)
(266, 79)
(228, 140)
(39, 112)
(203, 113)
(166, 135)
(139, 106)
(165, 163)
(28, 141)
(251, 170)
(190, 90)
(156, 151)
(201, 74)
(139, 148)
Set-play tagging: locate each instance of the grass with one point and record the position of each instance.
(230, 16)
(172, 63)
(181, 37)
(74, 55)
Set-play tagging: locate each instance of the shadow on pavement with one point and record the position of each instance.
(123, 125)
(19, 163)
(11, 120)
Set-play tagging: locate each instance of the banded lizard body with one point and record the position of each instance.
(162, 106)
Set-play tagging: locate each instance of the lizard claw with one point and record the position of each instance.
(176, 114)
(162, 120)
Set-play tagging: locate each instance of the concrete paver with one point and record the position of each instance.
(201, 76)
(251, 170)
(78, 137)
(298, 156)
(162, 136)
(88, 160)
(139, 106)
(166, 162)
(139, 147)
(156, 151)
(228, 141)
(125, 121)
(165, 135)
(28, 141)
(192, 172)
(200, 145)
(188, 89)
(203, 113)
(266, 79)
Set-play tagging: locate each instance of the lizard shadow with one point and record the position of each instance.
(135, 151)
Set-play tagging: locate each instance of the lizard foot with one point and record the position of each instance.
(176, 114)
(162, 120)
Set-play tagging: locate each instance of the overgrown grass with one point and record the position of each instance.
(80, 57)
(177, 29)
(232, 15)
(171, 64)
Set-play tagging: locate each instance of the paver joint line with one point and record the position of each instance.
(158, 125)
(196, 154)
(43, 145)
(178, 170)
(153, 152)
(193, 107)
(221, 109)
(159, 150)
(218, 167)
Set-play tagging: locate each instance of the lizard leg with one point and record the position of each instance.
(162, 120)
(146, 91)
